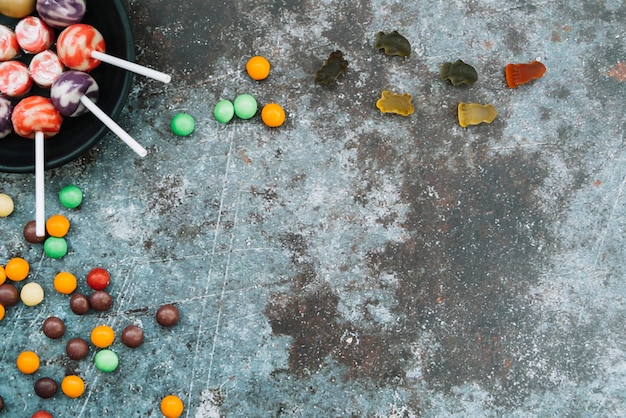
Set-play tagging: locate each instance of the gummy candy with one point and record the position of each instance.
(517, 74)
(395, 103)
(458, 73)
(474, 114)
(393, 43)
(332, 68)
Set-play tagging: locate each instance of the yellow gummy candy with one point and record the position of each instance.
(395, 103)
(475, 113)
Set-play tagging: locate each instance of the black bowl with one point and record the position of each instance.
(77, 135)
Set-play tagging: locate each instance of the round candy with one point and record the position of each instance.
(67, 90)
(79, 304)
(100, 300)
(172, 406)
(8, 43)
(77, 348)
(245, 106)
(6, 205)
(258, 67)
(17, 9)
(64, 282)
(55, 247)
(273, 115)
(75, 45)
(1, 403)
(2, 311)
(71, 196)
(53, 327)
(30, 233)
(167, 315)
(106, 361)
(46, 387)
(35, 114)
(9, 295)
(224, 111)
(98, 278)
(183, 124)
(17, 269)
(57, 226)
(132, 336)
(3, 274)
(27, 362)
(72, 386)
(15, 78)
(45, 67)
(34, 35)
(61, 13)
(41, 414)
(6, 108)
(31, 294)
(102, 336)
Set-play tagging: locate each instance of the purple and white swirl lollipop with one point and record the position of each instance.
(6, 126)
(61, 13)
(74, 93)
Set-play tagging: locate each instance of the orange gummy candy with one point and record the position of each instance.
(517, 74)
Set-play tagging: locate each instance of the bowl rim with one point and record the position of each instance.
(119, 105)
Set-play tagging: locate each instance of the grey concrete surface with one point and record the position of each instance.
(350, 263)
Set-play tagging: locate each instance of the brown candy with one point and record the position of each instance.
(167, 315)
(46, 387)
(9, 295)
(53, 327)
(77, 348)
(132, 336)
(79, 304)
(30, 234)
(100, 300)
(1, 403)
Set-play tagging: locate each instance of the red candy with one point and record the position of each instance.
(98, 278)
(75, 45)
(8, 43)
(14, 78)
(34, 35)
(36, 114)
(45, 67)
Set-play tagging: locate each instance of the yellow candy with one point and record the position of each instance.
(395, 103)
(474, 114)
(6, 205)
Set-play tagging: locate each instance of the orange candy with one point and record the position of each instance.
(3, 275)
(1, 312)
(258, 67)
(17, 269)
(72, 386)
(65, 282)
(517, 74)
(172, 406)
(273, 115)
(57, 226)
(27, 362)
(102, 336)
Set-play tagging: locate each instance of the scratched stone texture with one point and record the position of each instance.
(349, 263)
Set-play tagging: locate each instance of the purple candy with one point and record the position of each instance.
(5, 116)
(61, 13)
(68, 88)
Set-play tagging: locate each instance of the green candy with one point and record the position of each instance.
(106, 361)
(224, 111)
(245, 106)
(71, 196)
(55, 247)
(183, 124)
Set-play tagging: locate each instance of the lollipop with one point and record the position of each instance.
(61, 13)
(14, 78)
(81, 47)
(5, 116)
(8, 43)
(34, 35)
(36, 117)
(73, 93)
(45, 67)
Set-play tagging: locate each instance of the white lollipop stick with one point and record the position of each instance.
(131, 66)
(40, 207)
(110, 123)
